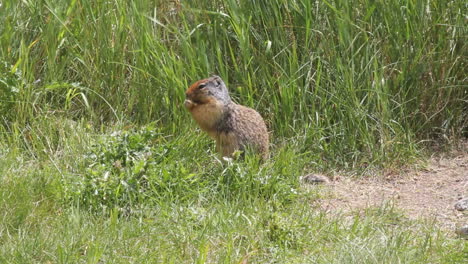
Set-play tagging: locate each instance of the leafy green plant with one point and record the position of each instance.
(135, 167)
(119, 166)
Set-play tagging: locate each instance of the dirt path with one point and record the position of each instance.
(429, 193)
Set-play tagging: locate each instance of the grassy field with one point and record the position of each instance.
(101, 163)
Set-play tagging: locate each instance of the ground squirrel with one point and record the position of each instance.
(233, 127)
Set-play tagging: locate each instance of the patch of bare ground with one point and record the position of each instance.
(424, 193)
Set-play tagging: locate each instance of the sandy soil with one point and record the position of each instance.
(426, 193)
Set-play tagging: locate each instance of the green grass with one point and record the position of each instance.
(361, 83)
(101, 163)
(78, 205)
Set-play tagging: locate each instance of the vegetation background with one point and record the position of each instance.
(100, 163)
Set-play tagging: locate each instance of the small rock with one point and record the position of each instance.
(462, 231)
(315, 179)
(462, 205)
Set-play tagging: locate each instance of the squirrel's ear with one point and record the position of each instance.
(217, 80)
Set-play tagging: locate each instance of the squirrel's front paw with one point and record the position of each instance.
(189, 103)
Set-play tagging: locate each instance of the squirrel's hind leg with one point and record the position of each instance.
(227, 144)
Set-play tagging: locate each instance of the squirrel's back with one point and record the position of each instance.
(233, 126)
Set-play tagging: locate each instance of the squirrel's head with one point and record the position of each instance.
(207, 91)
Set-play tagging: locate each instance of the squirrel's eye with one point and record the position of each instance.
(201, 86)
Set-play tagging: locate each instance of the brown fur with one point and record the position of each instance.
(232, 126)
